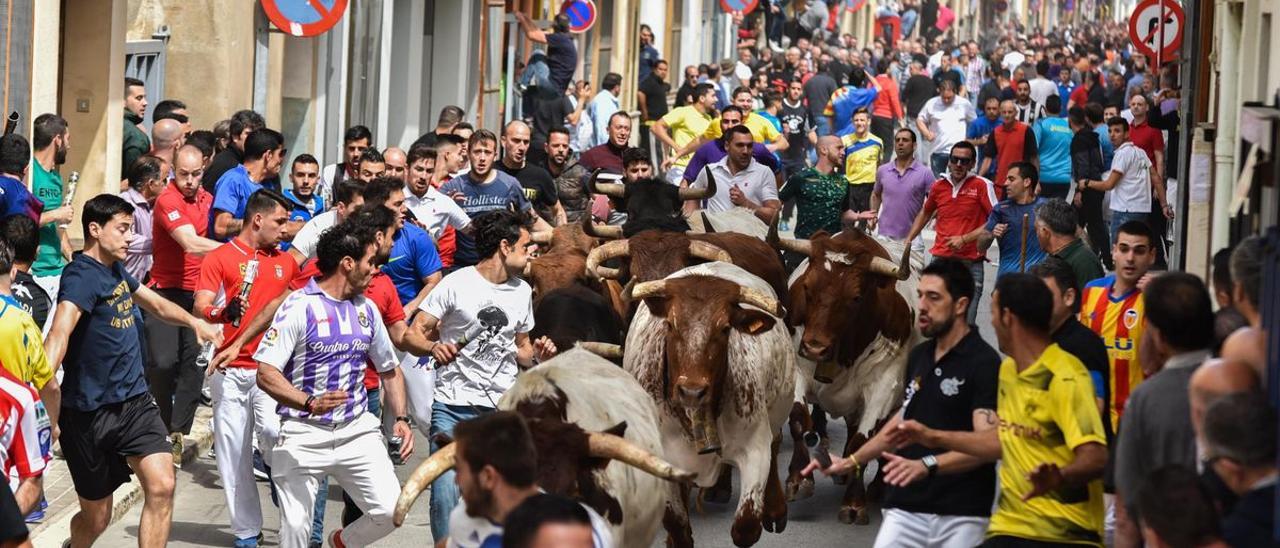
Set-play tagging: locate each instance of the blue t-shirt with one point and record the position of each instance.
(503, 192)
(1108, 149)
(844, 102)
(981, 127)
(302, 212)
(413, 257)
(1008, 211)
(104, 356)
(1053, 139)
(15, 199)
(562, 60)
(231, 195)
(1064, 92)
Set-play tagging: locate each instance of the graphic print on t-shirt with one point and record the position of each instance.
(492, 320)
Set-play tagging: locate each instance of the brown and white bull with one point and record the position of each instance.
(854, 327)
(596, 433)
(709, 345)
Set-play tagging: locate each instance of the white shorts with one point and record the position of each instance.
(910, 529)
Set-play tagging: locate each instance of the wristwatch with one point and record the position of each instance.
(931, 464)
(404, 419)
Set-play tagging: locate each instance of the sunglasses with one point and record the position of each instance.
(961, 161)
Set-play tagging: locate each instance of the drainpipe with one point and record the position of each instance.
(1228, 116)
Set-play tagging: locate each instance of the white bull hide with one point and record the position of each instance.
(599, 395)
(757, 393)
(738, 219)
(873, 385)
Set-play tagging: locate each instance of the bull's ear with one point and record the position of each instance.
(750, 320)
(619, 429)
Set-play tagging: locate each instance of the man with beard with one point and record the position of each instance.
(935, 497)
(354, 142)
(568, 176)
(496, 465)
(51, 141)
(538, 186)
(327, 429)
(608, 156)
(263, 155)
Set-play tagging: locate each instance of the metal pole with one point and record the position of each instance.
(1189, 77)
(260, 59)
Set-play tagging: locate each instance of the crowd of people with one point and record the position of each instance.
(340, 307)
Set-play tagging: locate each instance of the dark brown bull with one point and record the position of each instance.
(843, 301)
(563, 265)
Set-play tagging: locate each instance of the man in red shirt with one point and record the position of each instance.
(1010, 142)
(1151, 141)
(180, 223)
(238, 280)
(962, 202)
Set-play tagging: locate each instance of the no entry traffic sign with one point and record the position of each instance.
(582, 14)
(1156, 28)
(744, 6)
(304, 17)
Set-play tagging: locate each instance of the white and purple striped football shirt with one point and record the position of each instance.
(322, 344)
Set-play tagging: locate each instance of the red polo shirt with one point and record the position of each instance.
(173, 267)
(223, 275)
(1147, 138)
(1009, 145)
(960, 210)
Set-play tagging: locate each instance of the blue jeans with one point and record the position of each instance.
(822, 125)
(938, 163)
(444, 492)
(322, 492)
(1121, 217)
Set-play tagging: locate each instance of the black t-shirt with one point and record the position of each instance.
(12, 526)
(33, 298)
(817, 92)
(539, 187)
(562, 60)
(943, 396)
(917, 92)
(947, 74)
(684, 94)
(1081, 342)
(222, 162)
(655, 96)
(550, 109)
(795, 125)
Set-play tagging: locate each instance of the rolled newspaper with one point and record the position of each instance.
(70, 195)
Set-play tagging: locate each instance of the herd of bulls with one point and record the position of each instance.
(719, 352)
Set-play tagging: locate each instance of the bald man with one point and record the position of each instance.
(166, 139)
(818, 192)
(397, 162)
(1213, 380)
(539, 186)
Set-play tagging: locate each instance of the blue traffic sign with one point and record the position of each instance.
(582, 14)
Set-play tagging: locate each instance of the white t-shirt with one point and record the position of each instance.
(435, 211)
(487, 317)
(1133, 193)
(467, 531)
(756, 182)
(306, 239)
(950, 124)
(1042, 89)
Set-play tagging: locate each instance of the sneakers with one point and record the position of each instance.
(37, 515)
(335, 539)
(252, 542)
(175, 449)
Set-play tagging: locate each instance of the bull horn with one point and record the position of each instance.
(604, 350)
(644, 290)
(628, 289)
(900, 271)
(609, 250)
(609, 446)
(701, 193)
(612, 190)
(758, 299)
(801, 247)
(541, 236)
(709, 251)
(604, 232)
(706, 223)
(431, 469)
(528, 268)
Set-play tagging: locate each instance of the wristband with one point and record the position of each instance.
(213, 314)
(306, 406)
(404, 419)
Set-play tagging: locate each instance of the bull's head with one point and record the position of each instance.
(652, 255)
(557, 270)
(700, 313)
(840, 288)
(567, 456)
